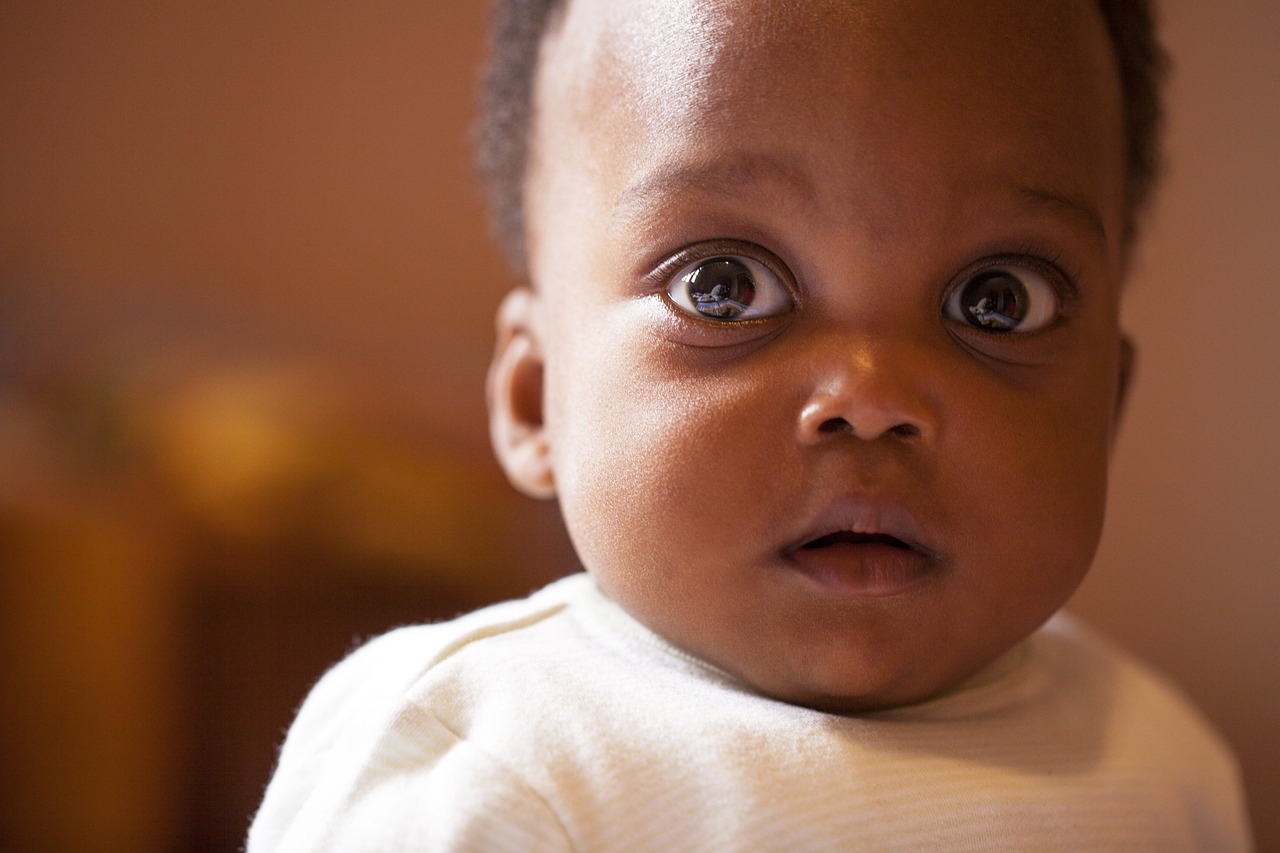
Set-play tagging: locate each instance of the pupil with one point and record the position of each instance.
(995, 300)
(721, 287)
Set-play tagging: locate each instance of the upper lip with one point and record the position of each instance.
(860, 518)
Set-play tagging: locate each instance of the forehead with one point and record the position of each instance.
(835, 93)
(662, 59)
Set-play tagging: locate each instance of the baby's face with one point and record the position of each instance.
(826, 313)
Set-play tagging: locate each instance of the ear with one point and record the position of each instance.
(514, 395)
(1128, 364)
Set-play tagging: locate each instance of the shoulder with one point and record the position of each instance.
(1088, 665)
(372, 680)
(1105, 748)
(1154, 734)
(360, 722)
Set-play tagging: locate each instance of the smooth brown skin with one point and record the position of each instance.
(873, 154)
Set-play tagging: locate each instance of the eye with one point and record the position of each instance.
(1006, 299)
(729, 287)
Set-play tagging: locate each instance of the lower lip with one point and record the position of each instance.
(872, 569)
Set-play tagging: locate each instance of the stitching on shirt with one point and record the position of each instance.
(511, 771)
(492, 630)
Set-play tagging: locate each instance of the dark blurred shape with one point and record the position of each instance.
(184, 551)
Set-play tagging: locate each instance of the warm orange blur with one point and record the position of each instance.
(245, 311)
(246, 300)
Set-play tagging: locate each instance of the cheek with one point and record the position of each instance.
(1038, 473)
(653, 462)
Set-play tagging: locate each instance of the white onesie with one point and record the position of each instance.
(559, 723)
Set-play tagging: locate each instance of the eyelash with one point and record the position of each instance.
(1050, 260)
(1039, 256)
(660, 277)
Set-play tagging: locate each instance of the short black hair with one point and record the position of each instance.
(506, 116)
(519, 26)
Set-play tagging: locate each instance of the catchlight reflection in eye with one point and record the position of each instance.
(1000, 299)
(729, 287)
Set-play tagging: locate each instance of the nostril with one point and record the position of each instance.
(840, 425)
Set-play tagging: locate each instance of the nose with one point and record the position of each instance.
(869, 395)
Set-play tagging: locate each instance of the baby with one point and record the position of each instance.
(821, 356)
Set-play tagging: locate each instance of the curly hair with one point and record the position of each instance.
(506, 113)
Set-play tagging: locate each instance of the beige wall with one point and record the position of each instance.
(216, 189)
(1188, 573)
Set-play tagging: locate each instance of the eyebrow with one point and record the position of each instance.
(721, 176)
(726, 176)
(1079, 209)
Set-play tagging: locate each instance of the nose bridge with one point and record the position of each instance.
(870, 386)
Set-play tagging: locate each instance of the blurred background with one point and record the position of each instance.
(246, 300)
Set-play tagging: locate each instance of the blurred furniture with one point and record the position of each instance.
(182, 556)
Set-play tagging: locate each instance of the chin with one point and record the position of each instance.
(861, 695)
(841, 702)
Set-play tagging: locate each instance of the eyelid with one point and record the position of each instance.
(662, 274)
(1044, 263)
(657, 280)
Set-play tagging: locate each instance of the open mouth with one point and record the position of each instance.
(847, 562)
(849, 537)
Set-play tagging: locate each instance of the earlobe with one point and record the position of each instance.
(514, 393)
